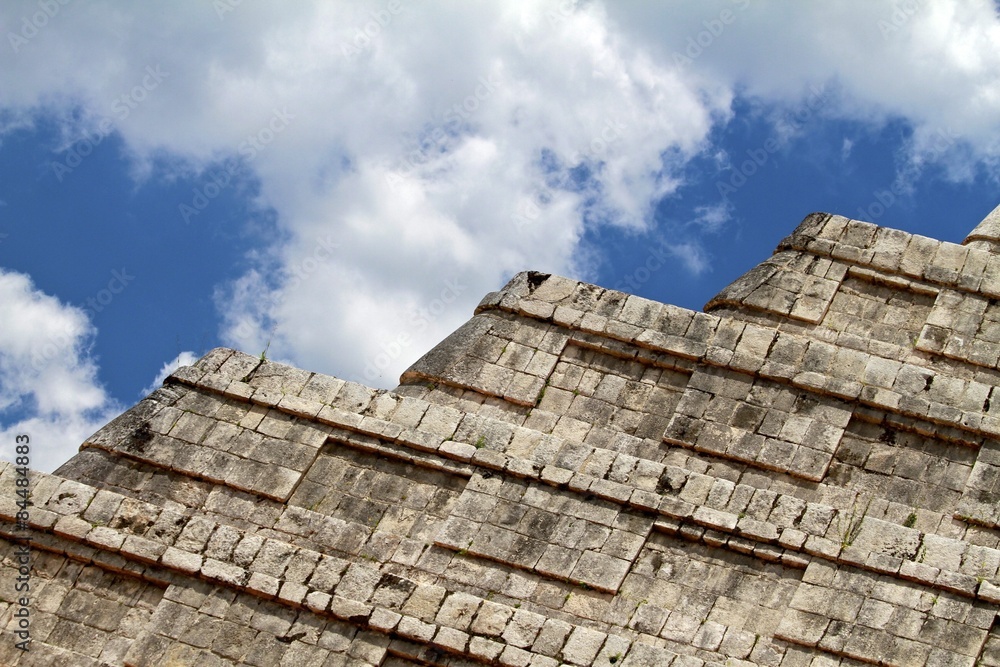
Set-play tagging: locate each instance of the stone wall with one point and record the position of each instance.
(805, 474)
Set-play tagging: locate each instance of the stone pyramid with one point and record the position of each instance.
(807, 473)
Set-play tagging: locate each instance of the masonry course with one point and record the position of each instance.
(807, 473)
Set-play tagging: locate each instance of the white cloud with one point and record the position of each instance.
(712, 217)
(426, 155)
(48, 382)
(845, 148)
(692, 256)
(183, 359)
(933, 64)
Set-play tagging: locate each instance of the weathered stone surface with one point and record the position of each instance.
(808, 474)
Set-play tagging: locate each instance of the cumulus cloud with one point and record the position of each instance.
(931, 64)
(417, 155)
(49, 388)
(410, 174)
(185, 358)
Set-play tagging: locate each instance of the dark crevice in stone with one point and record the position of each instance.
(535, 280)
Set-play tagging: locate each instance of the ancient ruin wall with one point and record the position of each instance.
(805, 474)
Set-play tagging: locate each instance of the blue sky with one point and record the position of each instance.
(342, 182)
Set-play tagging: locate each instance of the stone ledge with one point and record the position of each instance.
(749, 348)
(895, 252)
(348, 599)
(818, 542)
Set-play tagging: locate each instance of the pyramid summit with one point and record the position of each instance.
(807, 473)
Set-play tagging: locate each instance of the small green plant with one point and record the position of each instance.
(853, 528)
(911, 520)
(263, 355)
(541, 394)
(480, 442)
